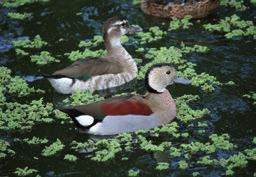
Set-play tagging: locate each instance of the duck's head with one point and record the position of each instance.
(115, 27)
(159, 76)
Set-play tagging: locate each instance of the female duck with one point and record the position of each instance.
(131, 113)
(112, 70)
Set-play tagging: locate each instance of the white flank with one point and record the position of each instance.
(85, 120)
(112, 125)
(61, 85)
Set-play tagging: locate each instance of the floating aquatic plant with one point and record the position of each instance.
(25, 171)
(133, 172)
(44, 58)
(5, 149)
(70, 157)
(36, 140)
(18, 16)
(251, 96)
(233, 26)
(76, 55)
(53, 148)
(237, 4)
(162, 166)
(96, 41)
(35, 43)
(154, 34)
(19, 3)
(184, 23)
(82, 98)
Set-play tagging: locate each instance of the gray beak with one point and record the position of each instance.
(133, 29)
(181, 80)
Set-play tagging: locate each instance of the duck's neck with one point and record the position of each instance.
(163, 104)
(114, 47)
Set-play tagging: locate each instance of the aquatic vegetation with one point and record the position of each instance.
(21, 52)
(133, 172)
(19, 3)
(233, 26)
(16, 116)
(82, 98)
(162, 166)
(70, 157)
(36, 140)
(35, 43)
(52, 149)
(25, 171)
(183, 164)
(185, 113)
(96, 41)
(18, 16)
(237, 4)
(184, 23)
(14, 85)
(44, 58)
(154, 34)
(5, 149)
(251, 96)
(76, 55)
(253, 2)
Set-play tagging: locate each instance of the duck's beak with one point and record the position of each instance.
(133, 29)
(181, 80)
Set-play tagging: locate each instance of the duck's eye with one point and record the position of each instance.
(168, 72)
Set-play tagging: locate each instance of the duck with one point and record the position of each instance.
(130, 113)
(179, 8)
(114, 69)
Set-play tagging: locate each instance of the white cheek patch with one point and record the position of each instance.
(110, 29)
(120, 22)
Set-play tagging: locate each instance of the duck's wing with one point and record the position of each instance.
(90, 67)
(116, 107)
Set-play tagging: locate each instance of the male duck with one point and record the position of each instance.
(112, 70)
(131, 113)
(179, 8)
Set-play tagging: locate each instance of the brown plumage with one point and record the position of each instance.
(116, 68)
(196, 9)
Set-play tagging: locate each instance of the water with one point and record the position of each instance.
(73, 21)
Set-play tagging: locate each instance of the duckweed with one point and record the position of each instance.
(19, 3)
(53, 148)
(70, 157)
(25, 171)
(237, 4)
(44, 58)
(77, 55)
(35, 43)
(251, 96)
(183, 164)
(5, 149)
(154, 34)
(35, 140)
(162, 166)
(133, 172)
(180, 23)
(233, 27)
(97, 39)
(18, 16)
(79, 97)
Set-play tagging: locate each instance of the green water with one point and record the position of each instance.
(227, 60)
